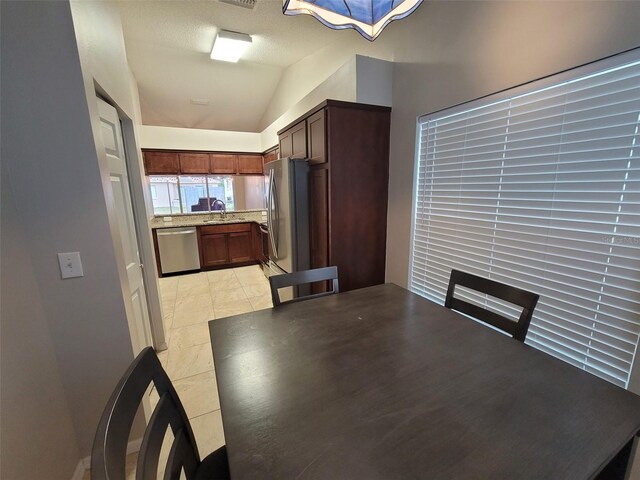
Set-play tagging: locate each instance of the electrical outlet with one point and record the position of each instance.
(70, 265)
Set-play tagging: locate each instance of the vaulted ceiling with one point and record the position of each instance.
(168, 45)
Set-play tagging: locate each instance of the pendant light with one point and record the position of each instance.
(368, 17)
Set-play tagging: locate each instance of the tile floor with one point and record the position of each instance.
(188, 303)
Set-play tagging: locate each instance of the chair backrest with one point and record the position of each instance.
(110, 445)
(300, 278)
(516, 296)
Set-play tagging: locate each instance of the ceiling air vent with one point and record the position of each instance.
(241, 3)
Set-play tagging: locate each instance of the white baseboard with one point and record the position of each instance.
(85, 464)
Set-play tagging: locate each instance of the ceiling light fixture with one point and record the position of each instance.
(368, 17)
(229, 46)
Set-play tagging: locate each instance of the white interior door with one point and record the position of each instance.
(139, 326)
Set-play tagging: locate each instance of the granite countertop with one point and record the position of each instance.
(217, 218)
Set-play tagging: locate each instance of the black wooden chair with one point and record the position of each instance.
(303, 277)
(110, 445)
(516, 296)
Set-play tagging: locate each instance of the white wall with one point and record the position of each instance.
(310, 72)
(340, 85)
(37, 439)
(452, 52)
(359, 79)
(52, 160)
(374, 81)
(104, 68)
(196, 139)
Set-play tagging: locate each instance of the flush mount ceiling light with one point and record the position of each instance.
(368, 17)
(229, 46)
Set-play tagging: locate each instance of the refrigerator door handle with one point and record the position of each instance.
(269, 202)
(273, 230)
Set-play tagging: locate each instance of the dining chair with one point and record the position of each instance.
(110, 444)
(516, 296)
(300, 278)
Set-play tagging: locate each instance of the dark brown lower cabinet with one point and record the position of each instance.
(214, 250)
(240, 247)
(260, 244)
(226, 245)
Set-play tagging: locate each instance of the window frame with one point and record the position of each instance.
(567, 76)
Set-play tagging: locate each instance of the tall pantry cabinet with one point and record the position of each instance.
(347, 145)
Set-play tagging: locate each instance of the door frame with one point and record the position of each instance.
(135, 171)
(143, 229)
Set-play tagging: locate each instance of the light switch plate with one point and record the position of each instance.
(70, 265)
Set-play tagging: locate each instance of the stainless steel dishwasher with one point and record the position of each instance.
(178, 249)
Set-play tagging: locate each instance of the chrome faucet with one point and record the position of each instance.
(224, 206)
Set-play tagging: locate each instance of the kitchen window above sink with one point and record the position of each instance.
(175, 194)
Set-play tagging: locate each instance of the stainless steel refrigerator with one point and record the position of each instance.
(288, 219)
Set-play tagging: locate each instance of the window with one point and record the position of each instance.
(539, 187)
(167, 198)
(197, 193)
(193, 194)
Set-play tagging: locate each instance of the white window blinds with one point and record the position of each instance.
(540, 189)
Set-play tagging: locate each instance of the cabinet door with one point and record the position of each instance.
(316, 138)
(194, 162)
(256, 242)
(250, 164)
(240, 247)
(161, 163)
(284, 144)
(270, 156)
(293, 142)
(223, 163)
(299, 140)
(214, 250)
(319, 222)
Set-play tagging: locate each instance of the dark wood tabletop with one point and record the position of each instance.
(380, 383)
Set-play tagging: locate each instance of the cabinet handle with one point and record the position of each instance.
(181, 232)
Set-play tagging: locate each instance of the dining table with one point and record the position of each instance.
(381, 383)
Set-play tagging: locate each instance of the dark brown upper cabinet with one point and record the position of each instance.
(223, 163)
(194, 163)
(293, 142)
(250, 164)
(299, 141)
(167, 162)
(161, 163)
(271, 155)
(316, 138)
